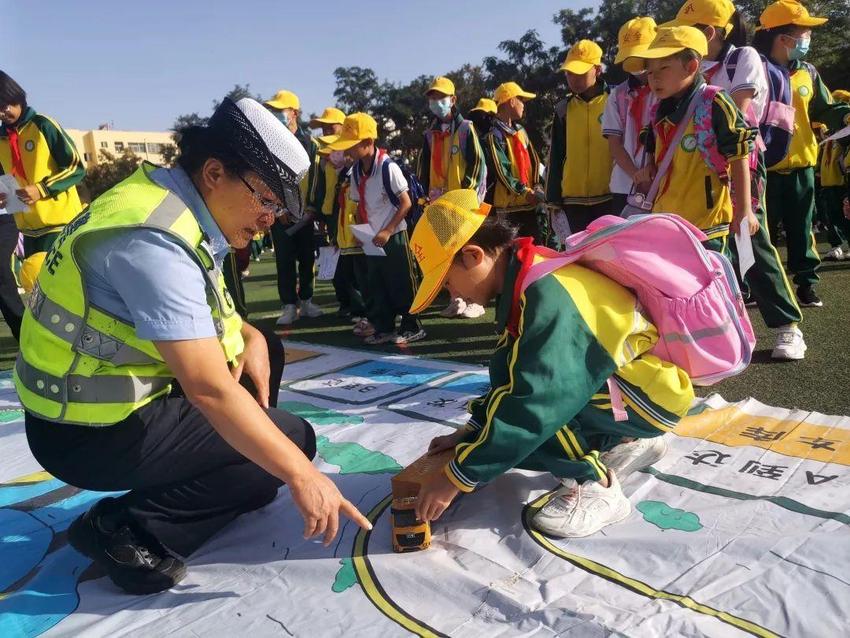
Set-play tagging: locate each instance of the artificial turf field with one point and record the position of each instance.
(820, 382)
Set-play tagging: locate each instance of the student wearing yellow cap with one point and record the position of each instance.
(687, 186)
(512, 160)
(549, 409)
(294, 248)
(740, 71)
(579, 166)
(833, 189)
(451, 154)
(627, 113)
(482, 115)
(451, 158)
(375, 183)
(784, 36)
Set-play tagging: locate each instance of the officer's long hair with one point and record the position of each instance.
(11, 92)
(197, 144)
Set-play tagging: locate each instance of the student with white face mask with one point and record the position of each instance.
(451, 158)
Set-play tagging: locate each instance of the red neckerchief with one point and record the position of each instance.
(665, 135)
(362, 213)
(438, 138)
(523, 161)
(636, 109)
(524, 250)
(17, 161)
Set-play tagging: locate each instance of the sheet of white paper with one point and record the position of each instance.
(328, 259)
(560, 224)
(744, 243)
(8, 185)
(364, 234)
(844, 132)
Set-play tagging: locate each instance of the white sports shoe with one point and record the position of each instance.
(309, 309)
(789, 344)
(473, 311)
(581, 510)
(630, 457)
(454, 309)
(834, 254)
(288, 316)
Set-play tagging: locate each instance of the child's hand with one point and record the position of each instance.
(754, 225)
(381, 239)
(434, 497)
(644, 175)
(445, 442)
(29, 195)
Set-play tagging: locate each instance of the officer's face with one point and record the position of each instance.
(242, 205)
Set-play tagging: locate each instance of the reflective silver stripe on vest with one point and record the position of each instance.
(167, 212)
(79, 389)
(70, 328)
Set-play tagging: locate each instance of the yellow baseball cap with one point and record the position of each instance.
(445, 227)
(786, 12)
(441, 85)
(485, 105)
(284, 100)
(583, 56)
(506, 91)
(356, 128)
(712, 13)
(671, 40)
(634, 36)
(841, 95)
(329, 116)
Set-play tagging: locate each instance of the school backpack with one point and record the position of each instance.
(689, 293)
(777, 122)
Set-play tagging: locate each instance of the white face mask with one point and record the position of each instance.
(441, 107)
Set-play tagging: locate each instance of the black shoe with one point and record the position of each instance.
(133, 559)
(807, 297)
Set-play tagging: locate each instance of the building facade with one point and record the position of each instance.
(148, 145)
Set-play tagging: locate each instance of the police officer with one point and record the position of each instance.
(130, 300)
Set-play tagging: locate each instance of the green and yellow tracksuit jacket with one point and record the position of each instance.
(50, 161)
(508, 193)
(580, 165)
(461, 163)
(812, 103)
(575, 329)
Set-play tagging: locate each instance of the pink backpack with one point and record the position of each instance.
(689, 293)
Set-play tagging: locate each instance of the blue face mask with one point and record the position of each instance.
(441, 108)
(801, 48)
(283, 116)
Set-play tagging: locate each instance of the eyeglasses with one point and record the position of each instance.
(277, 209)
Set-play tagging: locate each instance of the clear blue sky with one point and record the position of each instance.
(140, 64)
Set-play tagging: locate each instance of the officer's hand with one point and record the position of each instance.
(320, 504)
(254, 361)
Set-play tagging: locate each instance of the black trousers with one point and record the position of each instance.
(11, 305)
(295, 258)
(185, 482)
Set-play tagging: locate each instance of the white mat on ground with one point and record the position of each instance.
(741, 529)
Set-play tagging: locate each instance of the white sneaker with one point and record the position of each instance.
(789, 344)
(581, 510)
(630, 457)
(288, 316)
(454, 309)
(309, 309)
(835, 254)
(473, 311)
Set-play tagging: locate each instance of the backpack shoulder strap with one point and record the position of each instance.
(463, 134)
(704, 129)
(385, 176)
